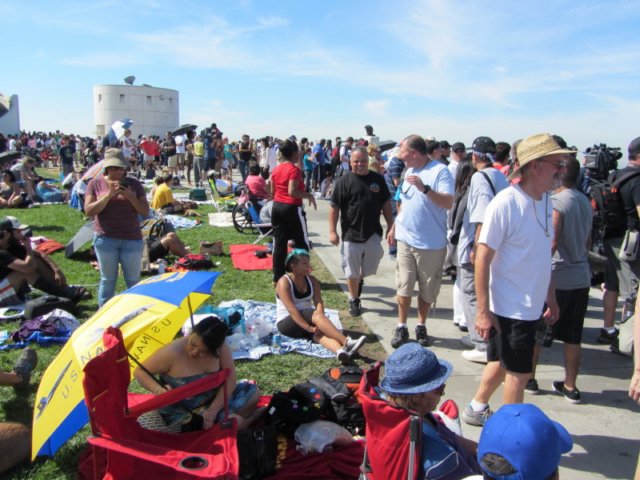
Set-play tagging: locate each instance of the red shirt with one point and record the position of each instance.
(280, 177)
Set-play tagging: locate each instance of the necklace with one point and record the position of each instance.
(546, 215)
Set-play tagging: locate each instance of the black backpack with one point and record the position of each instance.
(610, 217)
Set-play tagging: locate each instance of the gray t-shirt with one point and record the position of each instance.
(480, 194)
(570, 267)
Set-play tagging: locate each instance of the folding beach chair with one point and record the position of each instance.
(122, 449)
(223, 203)
(393, 435)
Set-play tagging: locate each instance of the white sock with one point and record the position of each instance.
(477, 406)
(402, 325)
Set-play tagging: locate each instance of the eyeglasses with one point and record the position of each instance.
(557, 165)
(405, 187)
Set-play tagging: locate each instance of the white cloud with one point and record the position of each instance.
(376, 107)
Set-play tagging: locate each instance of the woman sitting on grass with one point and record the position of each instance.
(300, 310)
(10, 192)
(189, 359)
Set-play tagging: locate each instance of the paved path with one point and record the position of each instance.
(605, 427)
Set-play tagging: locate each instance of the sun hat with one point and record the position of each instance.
(295, 251)
(113, 157)
(530, 441)
(484, 146)
(634, 147)
(414, 369)
(538, 146)
(15, 223)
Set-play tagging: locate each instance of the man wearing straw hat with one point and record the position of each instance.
(513, 273)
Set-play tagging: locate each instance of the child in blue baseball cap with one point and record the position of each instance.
(519, 442)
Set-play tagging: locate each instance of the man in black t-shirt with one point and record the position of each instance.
(359, 196)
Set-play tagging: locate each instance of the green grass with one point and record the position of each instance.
(272, 373)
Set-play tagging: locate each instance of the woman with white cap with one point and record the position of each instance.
(115, 201)
(415, 380)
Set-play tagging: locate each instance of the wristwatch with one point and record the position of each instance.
(427, 189)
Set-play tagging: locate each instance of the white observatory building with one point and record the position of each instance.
(154, 111)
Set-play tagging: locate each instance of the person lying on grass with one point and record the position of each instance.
(191, 358)
(300, 310)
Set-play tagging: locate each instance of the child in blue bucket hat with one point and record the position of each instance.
(415, 380)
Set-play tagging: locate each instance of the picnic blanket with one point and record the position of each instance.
(262, 315)
(244, 257)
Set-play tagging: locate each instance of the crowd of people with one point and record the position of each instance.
(483, 215)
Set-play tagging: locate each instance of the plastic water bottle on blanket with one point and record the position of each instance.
(254, 336)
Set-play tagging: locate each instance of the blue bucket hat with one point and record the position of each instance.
(413, 369)
(529, 440)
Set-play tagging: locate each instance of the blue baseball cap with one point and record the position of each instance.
(529, 440)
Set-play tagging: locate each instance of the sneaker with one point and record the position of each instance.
(25, 365)
(353, 346)
(606, 337)
(532, 387)
(400, 337)
(354, 307)
(478, 419)
(360, 285)
(572, 396)
(421, 335)
(467, 342)
(343, 355)
(475, 355)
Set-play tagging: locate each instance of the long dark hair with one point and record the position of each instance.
(288, 148)
(463, 176)
(212, 331)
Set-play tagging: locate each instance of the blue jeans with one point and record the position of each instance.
(111, 252)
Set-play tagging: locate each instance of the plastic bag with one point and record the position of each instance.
(263, 328)
(320, 436)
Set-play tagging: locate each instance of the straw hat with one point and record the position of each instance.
(113, 157)
(538, 146)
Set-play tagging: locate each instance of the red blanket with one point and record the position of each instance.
(244, 257)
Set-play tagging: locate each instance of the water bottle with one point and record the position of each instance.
(255, 337)
(276, 343)
(162, 266)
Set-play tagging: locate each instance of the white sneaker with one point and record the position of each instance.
(353, 346)
(343, 355)
(475, 355)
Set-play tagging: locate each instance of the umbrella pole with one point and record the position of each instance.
(190, 313)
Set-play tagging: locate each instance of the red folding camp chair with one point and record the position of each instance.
(122, 449)
(393, 435)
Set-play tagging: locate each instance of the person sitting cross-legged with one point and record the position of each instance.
(300, 310)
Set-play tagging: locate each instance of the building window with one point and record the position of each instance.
(148, 99)
(99, 98)
(170, 101)
(121, 98)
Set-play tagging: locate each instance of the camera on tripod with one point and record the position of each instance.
(600, 160)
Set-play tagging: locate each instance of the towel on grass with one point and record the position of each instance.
(244, 257)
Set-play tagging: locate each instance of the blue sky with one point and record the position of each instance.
(453, 69)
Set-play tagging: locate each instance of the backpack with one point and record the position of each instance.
(153, 228)
(198, 194)
(303, 403)
(610, 217)
(193, 261)
(347, 409)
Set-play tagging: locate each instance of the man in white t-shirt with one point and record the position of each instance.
(513, 274)
(345, 154)
(420, 231)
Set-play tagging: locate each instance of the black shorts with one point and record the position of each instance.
(573, 307)
(156, 250)
(513, 347)
(287, 326)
